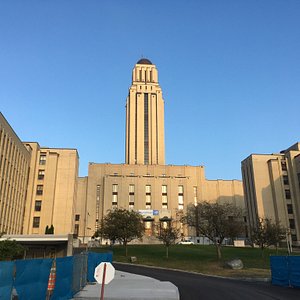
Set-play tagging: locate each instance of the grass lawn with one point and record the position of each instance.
(198, 258)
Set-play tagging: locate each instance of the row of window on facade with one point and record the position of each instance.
(148, 200)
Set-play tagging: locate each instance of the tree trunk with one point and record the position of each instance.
(167, 251)
(218, 246)
(126, 250)
(262, 250)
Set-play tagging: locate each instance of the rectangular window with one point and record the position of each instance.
(285, 179)
(180, 197)
(114, 195)
(292, 223)
(115, 188)
(131, 196)
(76, 229)
(148, 189)
(287, 194)
(146, 132)
(39, 189)
(38, 205)
(115, 199)
(42, 159)
(77, 217)
(131, 189)
(195, 194)
(290, 208)
(283, 166)
(148, 196)
(164, 196)
(97, 224)
(41, 174)
(36, 222)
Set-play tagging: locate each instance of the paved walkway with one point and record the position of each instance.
(130, 286)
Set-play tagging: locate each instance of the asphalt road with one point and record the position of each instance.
(194, 286)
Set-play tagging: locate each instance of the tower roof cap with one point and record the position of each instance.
(144, 61)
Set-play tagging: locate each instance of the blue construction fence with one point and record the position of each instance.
(30, 279)
(285, 270)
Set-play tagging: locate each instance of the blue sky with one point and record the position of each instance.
(229, 71)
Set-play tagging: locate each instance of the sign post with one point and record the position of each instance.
(104, 274)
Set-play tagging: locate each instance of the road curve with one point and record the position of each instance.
(195, 286)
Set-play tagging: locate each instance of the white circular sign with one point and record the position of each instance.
(109, 274)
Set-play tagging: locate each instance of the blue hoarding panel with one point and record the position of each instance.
(64, 278)
(294, 271)
(279, 270)
(6, 279)
(32, 278)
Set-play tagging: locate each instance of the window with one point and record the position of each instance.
(42, 159)
(287, 194)
(131, 195)
(146, 132)
(290, 208)
(294, 237)
(36, 222)
(38, 205)
(131, 189)
(285, 179)
(292, 223)
(114, 195)
(97, 224)
(164, 196)
(195, 195)
(115, 189)
(39, 189)
(76, 229)
(77, 217)
(283, 166)
(148, 196)
(180, 197)
(41, 174)
(148, 189)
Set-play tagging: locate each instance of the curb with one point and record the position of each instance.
(248, 279)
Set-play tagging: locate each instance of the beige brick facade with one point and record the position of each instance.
(272, 188)
(14, 168)
(52, 190)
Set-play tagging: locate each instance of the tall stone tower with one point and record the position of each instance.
(145, 141)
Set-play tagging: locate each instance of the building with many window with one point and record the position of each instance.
(272, 189)
(14, 170)
(40, 188)
(144, 183)
(52, 190)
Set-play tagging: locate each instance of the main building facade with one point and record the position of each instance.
(144, 183)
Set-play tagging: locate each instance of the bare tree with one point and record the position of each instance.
(216, 221)
(168, 235)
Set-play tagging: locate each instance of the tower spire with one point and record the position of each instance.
(145, 117)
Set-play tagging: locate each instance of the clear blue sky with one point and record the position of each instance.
(229, 71)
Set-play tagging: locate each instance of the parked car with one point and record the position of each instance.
(186, 242)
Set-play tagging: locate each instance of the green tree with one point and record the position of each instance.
(49, 230)
(168, 236)
(10, 249)
(122, 225)
(267, 233)
(216, 221)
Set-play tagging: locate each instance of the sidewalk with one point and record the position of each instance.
(130, 286)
